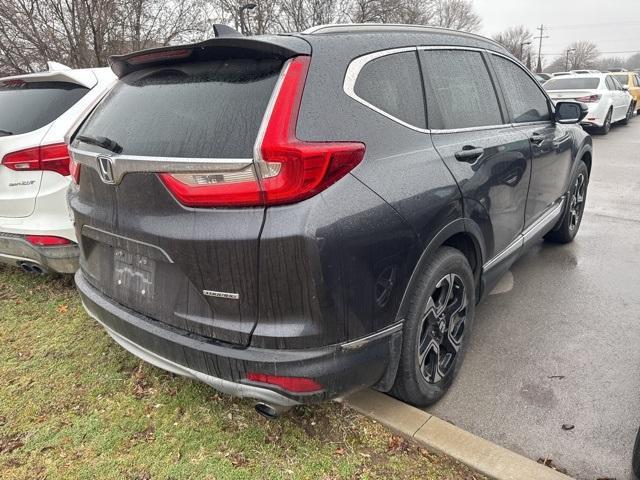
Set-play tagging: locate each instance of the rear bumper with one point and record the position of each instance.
(340, 368)
(15, 250)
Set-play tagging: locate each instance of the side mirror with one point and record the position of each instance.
(570, 112)
(625, 88)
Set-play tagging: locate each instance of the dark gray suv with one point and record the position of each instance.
(292, 218)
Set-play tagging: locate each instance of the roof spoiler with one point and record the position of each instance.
(228, 44)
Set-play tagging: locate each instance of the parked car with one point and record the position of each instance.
(36, 111)
(288, 218)
(630, 81)
(607, 100)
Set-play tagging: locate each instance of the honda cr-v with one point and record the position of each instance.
(294, 217)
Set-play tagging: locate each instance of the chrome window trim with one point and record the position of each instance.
(353, 72)
(550, 216)
(124, 164)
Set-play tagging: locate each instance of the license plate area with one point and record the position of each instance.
(134, 275)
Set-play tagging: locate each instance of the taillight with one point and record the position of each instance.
(53, 158)
(286, 169)
(291, 384)
(46, 240)
(589, 99)
(74, 171)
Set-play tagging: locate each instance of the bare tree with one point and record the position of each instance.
(84, 33)
(517, 40)
(633, 61)
(455, 14)
(584, 54)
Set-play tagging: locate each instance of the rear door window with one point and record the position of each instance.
(393, 84)
(525, 100)
(200, 110)
(26, 106)
(460, 93)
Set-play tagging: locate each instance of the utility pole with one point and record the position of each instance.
(569, 50)
(542, 35)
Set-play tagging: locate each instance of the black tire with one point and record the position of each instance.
(567, 229)
(428, 321)
(629, 115)
(604, 129)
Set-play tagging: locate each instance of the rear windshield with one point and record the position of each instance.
(587, 83)
(27, 106)
(199, 110)
(623, 79)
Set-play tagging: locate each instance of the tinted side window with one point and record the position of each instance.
(460, 93)
(202, 110)
(610, 84)
(525, 100)
(393, 84)
(27, 106)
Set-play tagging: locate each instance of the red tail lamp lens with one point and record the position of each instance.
(47, 240)
(290, 384)
(52, 158)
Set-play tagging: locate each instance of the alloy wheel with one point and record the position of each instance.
(576, 206)
(442, 329)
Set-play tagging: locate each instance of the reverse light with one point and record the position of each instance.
(589, 99)
(46, 240)
(53, 158)
(290, 384)
(286, 170)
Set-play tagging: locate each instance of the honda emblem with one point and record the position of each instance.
(105, 168)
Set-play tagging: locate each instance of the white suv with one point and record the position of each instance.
(608, 101)
(36, 230)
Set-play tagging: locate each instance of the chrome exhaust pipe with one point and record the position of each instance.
(271, 412)
(33, 268)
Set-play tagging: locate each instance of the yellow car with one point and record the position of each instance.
(632, 81)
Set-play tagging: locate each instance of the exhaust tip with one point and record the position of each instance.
(270, 412)
(33, 268)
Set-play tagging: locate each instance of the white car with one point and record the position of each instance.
(36, 110)
(608, 101)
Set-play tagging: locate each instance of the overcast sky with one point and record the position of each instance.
(614, 25)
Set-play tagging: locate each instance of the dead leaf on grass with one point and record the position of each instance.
(11, 443)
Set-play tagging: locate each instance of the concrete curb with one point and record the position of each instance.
(439, 436)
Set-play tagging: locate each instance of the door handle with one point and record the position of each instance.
(469, 154)
(537, 139)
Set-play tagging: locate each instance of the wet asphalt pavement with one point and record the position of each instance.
(558, 341)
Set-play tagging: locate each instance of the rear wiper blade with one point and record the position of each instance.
(103, 142)
(5, 133)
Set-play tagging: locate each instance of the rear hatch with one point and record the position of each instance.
(159, 243)
(29, 105)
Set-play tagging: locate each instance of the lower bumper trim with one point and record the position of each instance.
(15, 250)
(224, 386)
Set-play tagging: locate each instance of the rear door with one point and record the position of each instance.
(489, 160)
(164, 251)
(620, 98)
(27, 108)
(550, 143)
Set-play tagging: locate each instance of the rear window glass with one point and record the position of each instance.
(588, 83)
(199, 110)
(27, 106)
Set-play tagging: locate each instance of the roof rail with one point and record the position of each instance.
(355, 27)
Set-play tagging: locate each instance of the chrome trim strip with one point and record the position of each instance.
(351, 76)
(472, 129)
(361, 342)
(550, 216)
(124, 164)
(225, 386)
(511, 248)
